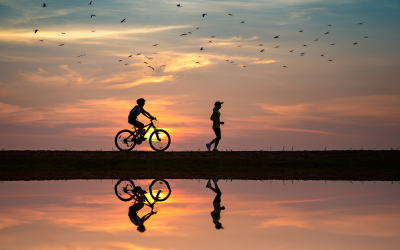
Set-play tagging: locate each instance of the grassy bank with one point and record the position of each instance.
(305, 165)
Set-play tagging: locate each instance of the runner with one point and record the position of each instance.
(216, 214)
(216, 126)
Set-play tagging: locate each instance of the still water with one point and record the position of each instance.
(259, 215)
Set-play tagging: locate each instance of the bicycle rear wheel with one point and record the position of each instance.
(159, 140)
(125, 140)
(124, 190)
(160, 190)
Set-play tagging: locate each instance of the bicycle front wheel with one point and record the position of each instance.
(124, 190)
(125, 140)
(159, 140)
(160, 190)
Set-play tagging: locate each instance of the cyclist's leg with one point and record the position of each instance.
(140, 126)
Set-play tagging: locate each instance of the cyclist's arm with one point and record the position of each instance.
(147, 114)
(145, 217)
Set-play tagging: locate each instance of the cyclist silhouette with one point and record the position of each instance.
(135, 112)
(216, 214)
(133, 214)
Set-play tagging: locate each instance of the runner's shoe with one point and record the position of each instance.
(215, 149)
(208, 145)
(208, 184)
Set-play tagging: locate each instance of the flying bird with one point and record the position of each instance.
(302, 54)
(155, 45)
(330, 60)
(190, 32)
(201, 48)
(326, 33)
(305, 45)
(260, 44)
(332, 44)
(92, 16)
(44, 5)
(90, 3)
(360, 23)
(322, 55)
(120, 60)
(275, 37)
(212, 37)
(145, 62)
(355, 43)
(79, 62)
(242, 22)
(138, 54)
(151, 67)
(198, 62)
(62, 33)
(262, 50)
(163, 65)
(197, 28)
(126, 64)
(209, 41)
(230, 14)
(329, 24)
(179, 5)
(149, 57)
(130, 56)
(365, 36)
(291, 50)
(36, 30)
(316, 40)
(184, 34)
(61, 44)
(93, 30)
(41, 40)
(300, 30)
(123, 20)
(285, 66)
(204, 14)
(276, 47)
(239, 46)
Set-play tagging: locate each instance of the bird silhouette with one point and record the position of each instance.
(360, 23)
(90, 3)
(179, 5)
(230, 14)
(332, 44)
(305, 45)
(126, 64)
(79, 62)
(36, 30)
(130, 56)
(329, 24)
(209, 41)
(63, 33)
(198, 62)
(41, 40)
(243, 66)
(120, 60)
(262, 50)
(316, 40)
(301, 31)
(201, 48)
(285, 66)
(163, 65)
(155, 53)
(365, 36)
(149, 57)
(322, 55)
(184, 34)
(326, 33)
(302, 54)
(204, 14)
(151, 67)
(93, 30)
(260, 44)
(275, 37)
(239, 46)
(242, 22)
(355, 43)
(197, 28)
(155, 45)
(145, 62)
(291, 50)
(92, 16)
(276, 47)
(44, 5)
(138, 54)
(123, 20)
(330, 60)
(61, 44)
(212, 37)
(190, 32)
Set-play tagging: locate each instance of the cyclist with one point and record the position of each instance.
(135, 112)
(216, 214)
(133, 213)
(216, 126)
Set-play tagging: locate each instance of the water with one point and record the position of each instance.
(258, 215)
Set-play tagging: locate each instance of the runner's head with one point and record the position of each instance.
(218, 104)
(218, 225)
(140, 101)
(222, 208)
(141, 228)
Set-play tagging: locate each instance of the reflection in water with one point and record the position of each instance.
(126, 191)
(312, 214)
(216, 214)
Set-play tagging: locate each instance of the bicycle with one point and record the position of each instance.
(159, 140)
(159, 190)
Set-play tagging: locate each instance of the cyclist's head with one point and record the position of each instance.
(218, 226)
(141, 228)
(140, 101)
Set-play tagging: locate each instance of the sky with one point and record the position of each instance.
(77, 96)
(83, 214)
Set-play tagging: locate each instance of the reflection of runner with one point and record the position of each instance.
(216, 214)
(133, 214)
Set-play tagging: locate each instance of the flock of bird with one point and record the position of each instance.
(210, 41)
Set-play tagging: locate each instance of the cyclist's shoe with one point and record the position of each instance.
(215, 149)
(208, 184)
(208, 145)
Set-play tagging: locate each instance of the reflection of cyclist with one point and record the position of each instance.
(133, 213)
(216, 214)
(135, 112)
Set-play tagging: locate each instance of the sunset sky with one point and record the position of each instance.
(51, 97)
(303, 215)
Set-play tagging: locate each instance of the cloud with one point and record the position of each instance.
(43, 77)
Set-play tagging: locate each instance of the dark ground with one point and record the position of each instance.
(256, 165)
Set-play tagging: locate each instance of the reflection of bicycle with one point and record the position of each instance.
(126, 190)
(159, 140)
